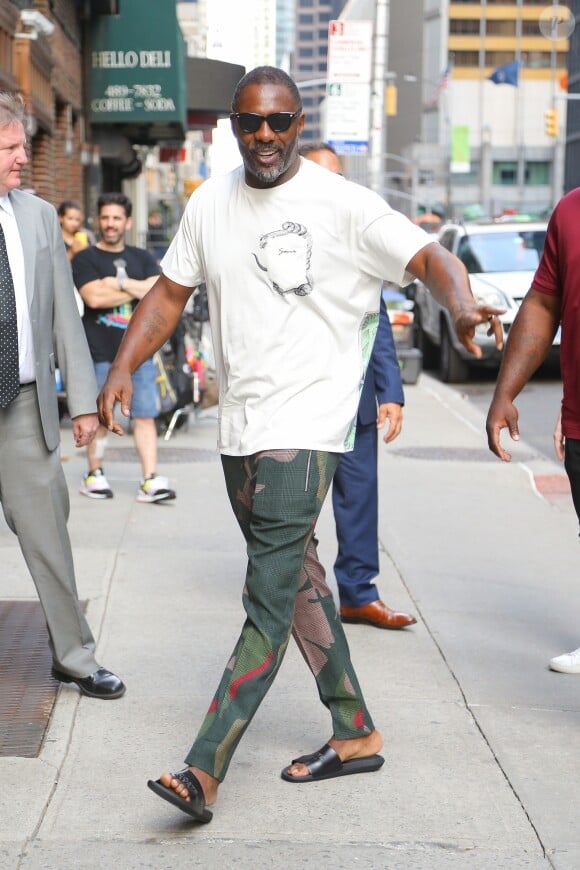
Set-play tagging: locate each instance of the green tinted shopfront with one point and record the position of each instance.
(136, 72)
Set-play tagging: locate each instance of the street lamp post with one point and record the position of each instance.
(486, 169)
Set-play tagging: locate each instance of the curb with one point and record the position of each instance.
(547, 479)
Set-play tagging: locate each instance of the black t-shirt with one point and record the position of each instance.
(105, 327)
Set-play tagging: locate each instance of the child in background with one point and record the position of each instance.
(74, 235)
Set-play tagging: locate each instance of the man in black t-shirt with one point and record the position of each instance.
(111, 278)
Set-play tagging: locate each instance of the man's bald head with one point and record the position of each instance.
(323, 154)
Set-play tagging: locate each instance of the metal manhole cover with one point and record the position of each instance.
(165, 454)
(27, 689)
(456, 454)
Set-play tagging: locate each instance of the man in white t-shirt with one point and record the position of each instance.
(293, 257)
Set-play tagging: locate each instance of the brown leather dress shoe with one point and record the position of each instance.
(378, 614)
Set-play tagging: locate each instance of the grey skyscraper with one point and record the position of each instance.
(285, 10)
(310, 55)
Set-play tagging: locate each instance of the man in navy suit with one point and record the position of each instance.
(355, 485)
(355, 489)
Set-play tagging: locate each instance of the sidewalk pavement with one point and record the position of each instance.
(482, 741)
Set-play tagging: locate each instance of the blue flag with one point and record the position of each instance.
(506, 74)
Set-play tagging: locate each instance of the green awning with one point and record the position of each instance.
(137, 72)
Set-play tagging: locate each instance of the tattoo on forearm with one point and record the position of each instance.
(153, 324)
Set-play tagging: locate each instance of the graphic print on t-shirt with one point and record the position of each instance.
(118, 317)
(285, 255)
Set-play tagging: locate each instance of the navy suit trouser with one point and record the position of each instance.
(355, 503)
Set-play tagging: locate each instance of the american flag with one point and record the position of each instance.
(442, 84)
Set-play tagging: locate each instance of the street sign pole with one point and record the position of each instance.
(377, 136)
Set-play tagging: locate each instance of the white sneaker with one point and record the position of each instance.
(96, 485)
(569, 663)
(155, 488)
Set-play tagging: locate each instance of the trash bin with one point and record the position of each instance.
(400, 311)
(411, 364)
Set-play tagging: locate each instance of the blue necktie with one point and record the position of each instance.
(9, 366)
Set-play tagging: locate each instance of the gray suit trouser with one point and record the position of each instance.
(35, 502)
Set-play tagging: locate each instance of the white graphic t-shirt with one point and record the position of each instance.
(293, 277)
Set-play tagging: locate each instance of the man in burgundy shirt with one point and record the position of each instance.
(553, 299)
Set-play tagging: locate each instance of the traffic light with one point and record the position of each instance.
(551, 122)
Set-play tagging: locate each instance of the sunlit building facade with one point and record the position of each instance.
(509, 160)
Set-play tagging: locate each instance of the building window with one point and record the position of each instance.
(543, 60)
(537, 172)
(505, 172)
(506, 28)
(498, 58)
(462, 27)
(465, 179)
(305, 35)
(307, 18)
(305, 52)
(466, 58)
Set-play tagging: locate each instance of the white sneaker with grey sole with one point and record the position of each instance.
(155, 489)
(568, 663)
(96, 485)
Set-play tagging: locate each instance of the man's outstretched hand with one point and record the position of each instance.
(467, 317)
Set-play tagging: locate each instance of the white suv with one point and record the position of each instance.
(501, 259)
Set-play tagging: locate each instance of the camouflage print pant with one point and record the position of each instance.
(277, 496)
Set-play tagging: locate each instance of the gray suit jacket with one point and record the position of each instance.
(56, 323)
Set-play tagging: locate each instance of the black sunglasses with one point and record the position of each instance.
(278, 122)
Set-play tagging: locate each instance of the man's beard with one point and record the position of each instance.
(268, 175)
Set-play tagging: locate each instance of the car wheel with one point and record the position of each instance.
(452, 367)
(422, 341)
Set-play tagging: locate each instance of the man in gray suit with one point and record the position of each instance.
(38, 316)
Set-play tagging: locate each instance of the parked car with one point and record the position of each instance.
(501, 258)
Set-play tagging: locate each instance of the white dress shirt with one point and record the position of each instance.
(26, 356)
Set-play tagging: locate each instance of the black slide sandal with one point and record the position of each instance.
(325, 764)
(195, 806)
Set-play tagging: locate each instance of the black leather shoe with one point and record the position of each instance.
(102, 684)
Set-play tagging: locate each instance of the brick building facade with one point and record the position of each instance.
(46, 49)
(41, 58)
